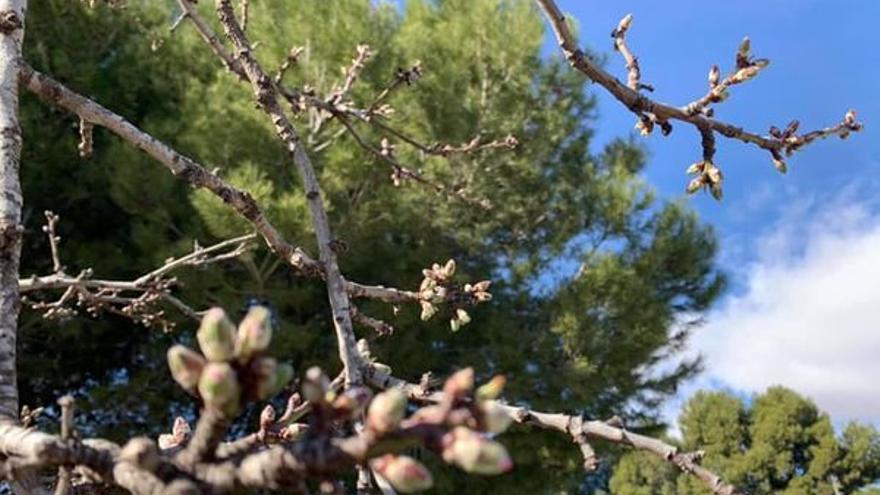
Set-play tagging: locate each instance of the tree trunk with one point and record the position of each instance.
(12, 14)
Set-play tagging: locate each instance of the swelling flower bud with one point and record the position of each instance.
(254, 333)
(216, 336)
(474, 453)
(219, 388)
(315, 385)
(491, 389)
(272, 377)
(386, 411)
(460, 383)
(495, 417)
(405, 474)
(186, 366)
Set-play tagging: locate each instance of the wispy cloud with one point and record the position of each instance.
(807, 312)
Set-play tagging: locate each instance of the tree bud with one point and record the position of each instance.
(216, 336)
(219, 388)
(495, 417)
(254, 333)
(315, 385)
(474, 453)
(272, 377)
(404, 473)
(386, 411)
(186, 366)
(491, 389)
(460, 383)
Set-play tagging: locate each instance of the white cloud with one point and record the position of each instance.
(807, 315)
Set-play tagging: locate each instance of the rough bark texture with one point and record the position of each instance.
(12, 13)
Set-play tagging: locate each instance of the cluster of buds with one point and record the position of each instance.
(437, 287)
(708, 176)
(747, 67)
(468, 416)
(231, 367)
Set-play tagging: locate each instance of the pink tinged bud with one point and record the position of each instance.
(267, 417)
(186, 366)
(386, 411)
(216, 336)
(449, 268)
(181, 429)
(495, 416)
(460, 383)
(167, 441)
(219, 388)
(491, 389)
(474, 453)
(254, 333)
(404, 473)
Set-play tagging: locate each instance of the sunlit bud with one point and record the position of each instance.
(181, 429)
(463, 316)
(474, 453)
(386, 411)
(850, 118)
(428, 284)
(714, 76)
(455, 324)
(186, 366)
(482, 286)
(449, 268)
(267, 417)
(713, 174)
(294, 431)
(491, 389)
(254, 333)
(428, 310)
(460, 383)
(315, 385)
(695, 168)
(219, 388)
(167, 441)
(761, 62)
(353, 401)
(694, 185)
(439, 295)
(216, 336)
(746, 73)
(482, 296)
(745, 48)
(404, 473)
(780, 165)
(624, 24)
(495, 417)
(716, 191)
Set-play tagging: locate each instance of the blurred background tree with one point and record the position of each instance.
(596, 281)
(775, 443)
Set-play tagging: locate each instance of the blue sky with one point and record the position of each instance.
(802, 250)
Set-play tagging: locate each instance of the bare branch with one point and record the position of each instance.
(648, 110)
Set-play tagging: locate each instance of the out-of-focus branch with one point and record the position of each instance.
(697, 114)
(578, 428)
(137, 299)
(267, 99)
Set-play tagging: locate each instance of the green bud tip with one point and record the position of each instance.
(254, 333)
(186, 366)
(386, 411)
(219, 388)
(216, 336)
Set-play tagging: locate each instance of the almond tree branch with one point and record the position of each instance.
(267, 99)
(577, 427)
(691, 114)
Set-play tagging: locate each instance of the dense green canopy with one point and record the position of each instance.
(596, 281)
(777, 443)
